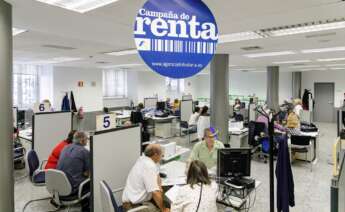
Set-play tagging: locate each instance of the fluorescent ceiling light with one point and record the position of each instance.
(333, 49)
(339, 68)
(292, 62)
(334, 65)
(331, 59)
(122, 53)
(306, 66)
(243, 69)
(16, 31)
(306, 29)
(231, 65)
(122, 66)
(240, 36)
(269, 54)
(314, 69)
(80, 6)
(50, 61)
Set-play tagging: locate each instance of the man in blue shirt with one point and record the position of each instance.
(74, 161)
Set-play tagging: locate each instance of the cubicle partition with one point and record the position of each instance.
(14, 114)
(186, 109)
(341, 194)
(150, 102)
(113, 154)
(187, 97)
(48, 130)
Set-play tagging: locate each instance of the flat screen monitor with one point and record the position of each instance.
(161, 106)
(21, 117)
(234, 162)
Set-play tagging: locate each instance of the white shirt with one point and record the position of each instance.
(141, 182)
(187, 199)
(203, 123)
(194, 118)
(298, 109)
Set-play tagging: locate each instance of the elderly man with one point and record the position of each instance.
(206, 150)
(74, 161)
(143, 186)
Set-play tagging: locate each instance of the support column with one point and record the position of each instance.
(296, 84)
(6, 122)
(273, 87)
(220, 95)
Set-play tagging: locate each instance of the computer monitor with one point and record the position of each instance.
(21, 117)
(161, 106)
(234, 163)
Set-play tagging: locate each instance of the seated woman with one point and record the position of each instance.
(200, 193)
(55, 154)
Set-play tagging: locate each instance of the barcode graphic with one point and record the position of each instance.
(175, 46)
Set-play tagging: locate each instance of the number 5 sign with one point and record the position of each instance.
(105, 122)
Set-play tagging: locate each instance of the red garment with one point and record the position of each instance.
(55, 155)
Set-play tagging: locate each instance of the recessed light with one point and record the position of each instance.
(122, 66)
(331, 59)
(80, 6)
(239, 36)
(331, 49)
(339, 68)
(16, 31)
(306, 66)
(292, 62)
(269, 54)
(314, 69)
(334, 65)
(292, 30)
(122, 52)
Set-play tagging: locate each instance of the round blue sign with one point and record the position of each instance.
(176, 38)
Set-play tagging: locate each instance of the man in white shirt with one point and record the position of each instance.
(194, 117)
(143, 186)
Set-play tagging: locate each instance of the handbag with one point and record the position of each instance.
(199, 199)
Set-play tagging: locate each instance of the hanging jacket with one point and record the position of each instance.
(285, 182)
(73, 106)
(65, 104)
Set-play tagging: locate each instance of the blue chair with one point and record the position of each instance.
(35, 169)
(109, 201)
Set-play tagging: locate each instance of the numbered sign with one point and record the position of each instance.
(105, 122)
(42, 108)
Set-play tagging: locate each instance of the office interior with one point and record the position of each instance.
(270, 54)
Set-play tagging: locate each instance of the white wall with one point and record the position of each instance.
(338, 77)
(247, 83)
(66, 79)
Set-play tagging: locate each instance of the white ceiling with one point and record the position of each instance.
(110, 28)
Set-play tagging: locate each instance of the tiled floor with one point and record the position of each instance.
(312, 189)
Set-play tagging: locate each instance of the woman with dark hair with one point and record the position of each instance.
(55, 154)
(203, 122)
(200, 193)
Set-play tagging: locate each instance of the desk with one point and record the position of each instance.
(238, 137)
(163, 126)
(26, 134)
(176, 175)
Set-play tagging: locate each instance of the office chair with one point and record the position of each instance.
(109, 201)
(187, 129)
(301, 144)
(60, 188)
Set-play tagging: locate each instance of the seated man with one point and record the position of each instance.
(143, 186)
(206, 150)
(75, 163)
(55, 154)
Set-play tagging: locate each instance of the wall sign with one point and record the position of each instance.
(176, 38)
(105, 122)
